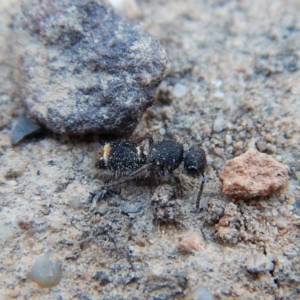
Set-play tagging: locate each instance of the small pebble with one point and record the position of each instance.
(132, 208)
(229, 125)
(202, 293)
(252, 144)
(163, 193)
(281, 224)
(188, 245)
(261, 146)
(253, 174)
(268, 137)
(219, 95)
(219, 122)
(228, 139)
(25, 127)
(224, 222)
(238, 145)
(25, 223)
(250, 123)
(206, 129)
(259, 263)
(282, 210)
(47, 270)
(162, 131)
(179, 90)
(11, 183)
(227, 235)
(102, 211)
(220, 152)
(217, 83)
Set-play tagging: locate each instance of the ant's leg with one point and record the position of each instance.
(96, 197)
(106, 177)
(110, 187)
(178, 184)
(140, 172)
(102, 194)
(114, 190)
(200, 192)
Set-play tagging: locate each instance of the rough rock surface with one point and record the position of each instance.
(253, 174)
(85, 69)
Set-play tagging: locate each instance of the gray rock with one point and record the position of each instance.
(132, 208)
(102, 211)
(47, 270)
(24, 128)
(202, 293)
(84, 69)
(259, 263)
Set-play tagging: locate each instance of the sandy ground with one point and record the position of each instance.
(234, 84)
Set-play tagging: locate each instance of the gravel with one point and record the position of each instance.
(165, 251)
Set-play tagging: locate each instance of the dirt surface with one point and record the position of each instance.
(234, 84)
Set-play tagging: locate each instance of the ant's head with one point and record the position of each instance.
(195, 161)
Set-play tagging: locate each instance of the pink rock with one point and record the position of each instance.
(252, 174)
